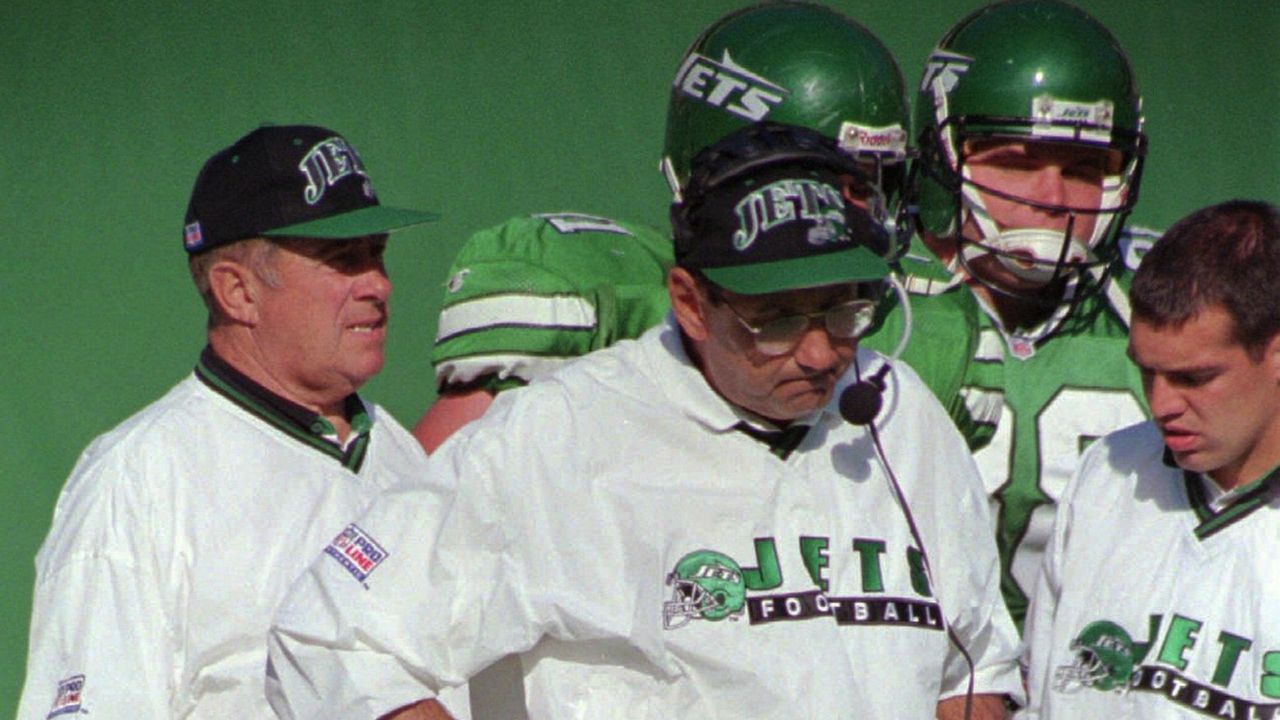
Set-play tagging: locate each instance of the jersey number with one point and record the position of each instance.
(1065, 426)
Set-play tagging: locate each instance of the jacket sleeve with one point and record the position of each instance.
(101, 631)
(1038, 635)
(416, 596)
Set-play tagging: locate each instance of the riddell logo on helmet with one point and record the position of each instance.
(890, 140)
(728, 86)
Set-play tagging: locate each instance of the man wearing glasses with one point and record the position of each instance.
(684, 525)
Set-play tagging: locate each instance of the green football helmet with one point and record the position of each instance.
(1029, 70)
(795, 63)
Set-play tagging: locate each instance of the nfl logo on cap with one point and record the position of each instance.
(191, 237)
(287, 181)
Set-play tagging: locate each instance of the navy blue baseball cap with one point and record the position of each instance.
(288, 181)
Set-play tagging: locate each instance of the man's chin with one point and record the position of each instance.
(803, 405)
(364, 372)
(1194, 461)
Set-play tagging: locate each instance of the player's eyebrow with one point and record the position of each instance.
(1191, 370)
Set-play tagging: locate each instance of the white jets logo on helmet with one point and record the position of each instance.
(571, 223)
(729, 86)
(943, 71)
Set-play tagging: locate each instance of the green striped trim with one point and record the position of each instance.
(1250, 498)
(534, 342)
(307, 427)
(527, 310)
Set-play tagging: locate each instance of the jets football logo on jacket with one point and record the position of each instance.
(1106, 658)
(711, 585)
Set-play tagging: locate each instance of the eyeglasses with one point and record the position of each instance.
(845, 321)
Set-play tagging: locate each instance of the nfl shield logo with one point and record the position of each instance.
(192, 238)
(356, 551)
(1022, 348)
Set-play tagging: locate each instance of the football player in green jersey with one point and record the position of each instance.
(1029, 126)
(803, 64)
(532, 293)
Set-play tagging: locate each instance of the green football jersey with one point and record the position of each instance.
(1047, 396)
(943, 335)
(534, 292)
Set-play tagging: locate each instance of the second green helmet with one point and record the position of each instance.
(795, 63)
(1028, 70)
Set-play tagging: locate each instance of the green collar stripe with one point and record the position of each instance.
(360, 422)
(1195, 495)
(247, 397)
(1236, 511)
(355, 452)
(264, 413)
(1250, 498)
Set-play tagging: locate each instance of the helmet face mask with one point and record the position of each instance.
(1001, 212)
(1044, 75)
(799, 64)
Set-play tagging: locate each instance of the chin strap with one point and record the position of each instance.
(1015, 248)
(668, 170)
(1046, 246)
(904, 301)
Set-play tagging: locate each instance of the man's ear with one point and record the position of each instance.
(687, 304)
(236, 290)
(1271, 357)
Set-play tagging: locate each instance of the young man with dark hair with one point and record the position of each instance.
(1161, 583)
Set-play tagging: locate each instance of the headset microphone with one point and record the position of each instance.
(860, 403)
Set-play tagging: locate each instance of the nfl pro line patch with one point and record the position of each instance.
(357, 552)
(67, 698)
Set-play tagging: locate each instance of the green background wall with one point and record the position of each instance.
(479, 110)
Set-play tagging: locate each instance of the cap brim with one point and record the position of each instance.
(857, 264)
(372, 220)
